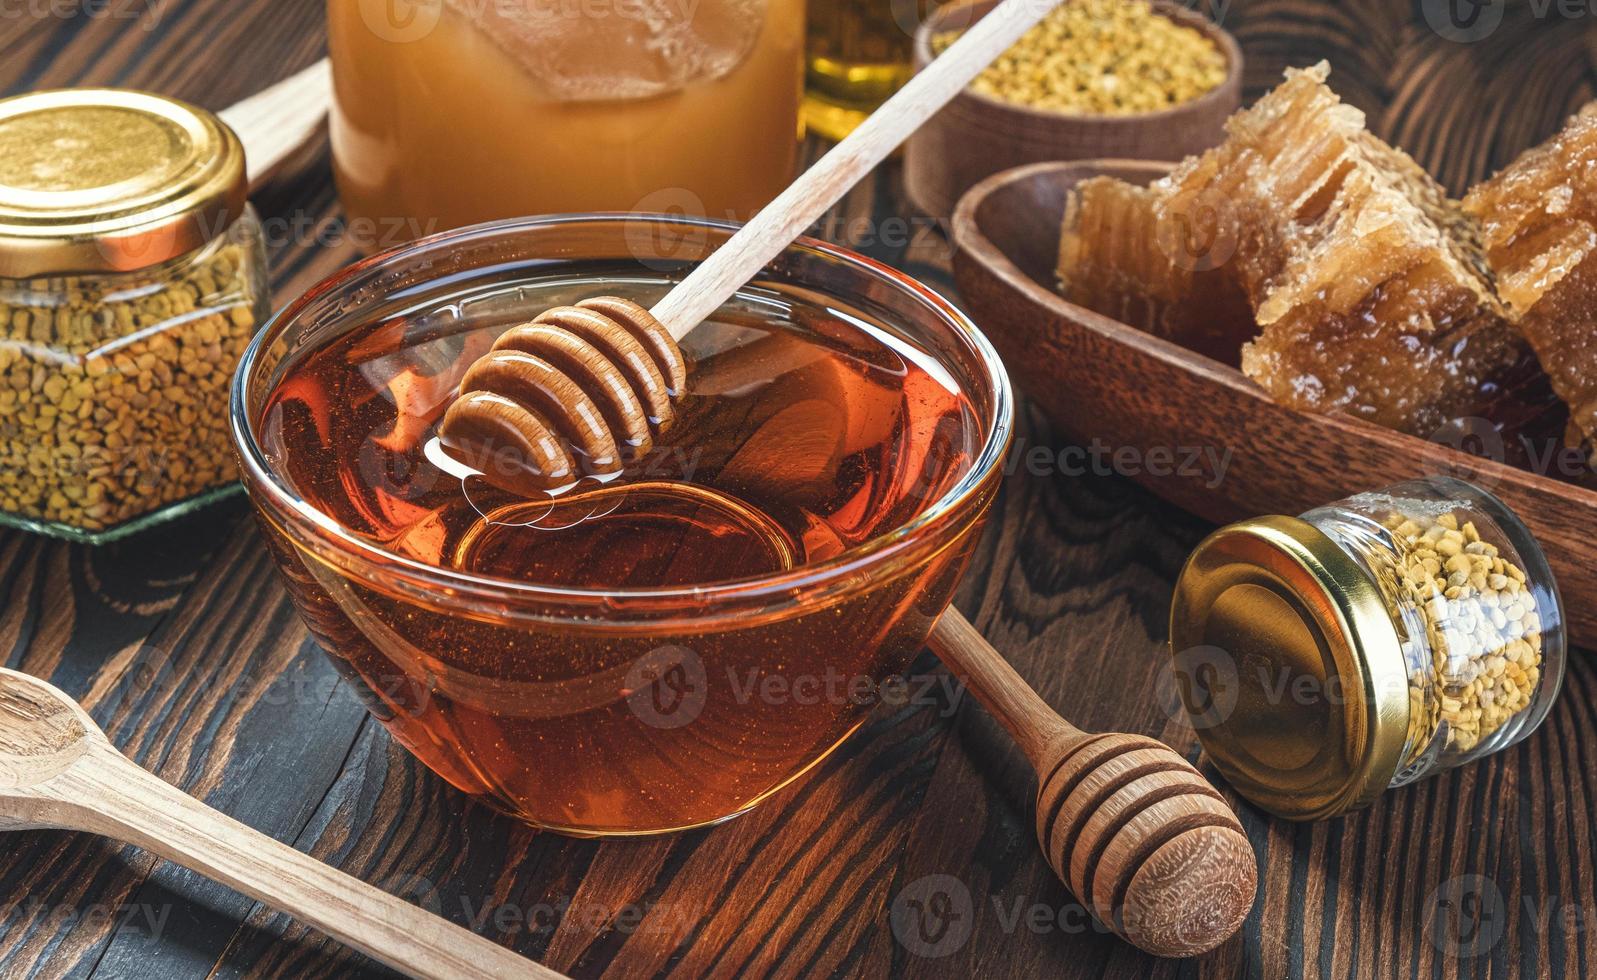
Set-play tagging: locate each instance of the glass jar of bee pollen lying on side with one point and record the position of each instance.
(132, 276)
(1366, 644)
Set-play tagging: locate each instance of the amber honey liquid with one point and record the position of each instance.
(804, 432)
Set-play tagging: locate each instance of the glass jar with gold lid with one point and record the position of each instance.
(132, 276)
(1366, 644)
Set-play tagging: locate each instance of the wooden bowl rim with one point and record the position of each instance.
(972, 242)
(1224, 97)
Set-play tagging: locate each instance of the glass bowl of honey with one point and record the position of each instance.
(656, 653)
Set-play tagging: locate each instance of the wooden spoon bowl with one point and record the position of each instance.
(42, 735)
(978, 135)
(1099, 379)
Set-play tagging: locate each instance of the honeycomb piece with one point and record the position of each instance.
(1115, 259)
(1366, 280)
(1539, 228)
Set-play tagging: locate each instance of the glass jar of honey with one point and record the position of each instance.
(132, 275)
(1366, 644)
(452, 112)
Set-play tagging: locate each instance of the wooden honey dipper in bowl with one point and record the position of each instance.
(1132, 828)
(582, 389)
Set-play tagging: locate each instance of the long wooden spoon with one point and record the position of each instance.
(59, 771)
(1130, 827)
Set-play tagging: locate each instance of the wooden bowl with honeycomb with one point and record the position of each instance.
(979, 134)
(1193, 428)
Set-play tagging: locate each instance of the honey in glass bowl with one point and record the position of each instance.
(656, 653)
(450, 112)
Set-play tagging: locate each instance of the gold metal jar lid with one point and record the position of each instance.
(1290, 667)
(107, 180)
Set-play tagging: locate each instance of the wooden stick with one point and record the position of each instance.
(715, 280)
(1033, 725)
(123, 802)
(275, 122)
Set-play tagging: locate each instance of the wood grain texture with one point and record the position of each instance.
(184, 647)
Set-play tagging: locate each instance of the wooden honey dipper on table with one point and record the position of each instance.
(1132, 828)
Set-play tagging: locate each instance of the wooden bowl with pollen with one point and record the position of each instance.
(978, 135)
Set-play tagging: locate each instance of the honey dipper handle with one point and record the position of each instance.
(276, 121)
(714, 281)
(105, 793)
(1033, 725)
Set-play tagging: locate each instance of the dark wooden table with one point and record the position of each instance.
(183, 644)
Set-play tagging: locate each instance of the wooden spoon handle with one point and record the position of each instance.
(714, 281)
(105, 793)
(1034, 726)
(277, 121)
